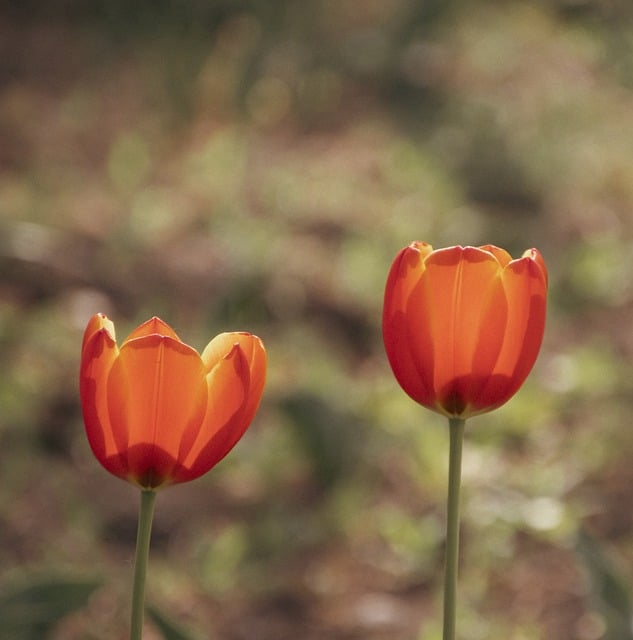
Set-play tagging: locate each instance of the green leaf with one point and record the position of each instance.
(609, 588)
(30, 610)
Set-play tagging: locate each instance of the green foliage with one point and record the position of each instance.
(331, 440)
(32, 609)
(610, 589)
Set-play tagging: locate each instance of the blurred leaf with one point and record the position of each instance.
(168, 628)
(31, 610)
(328, 437)
(609, 588)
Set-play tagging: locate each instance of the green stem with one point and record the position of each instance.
(456, 427)
(143, 535)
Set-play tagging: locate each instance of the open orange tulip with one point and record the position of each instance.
(462, 326)
(156, 412)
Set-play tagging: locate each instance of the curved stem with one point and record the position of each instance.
(143, 535)
(456, 427)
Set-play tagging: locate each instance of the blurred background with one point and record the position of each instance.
(256, 165)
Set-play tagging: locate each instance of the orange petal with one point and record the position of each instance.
(157, 397)
(460, 292)
(525, 284)
(537, 258)
(98, 322)
(491, 330)
(400, 329)
(223, 425)
(217, 349)
(153, 326)
(256, 357)
(99, 354)
(500, 254)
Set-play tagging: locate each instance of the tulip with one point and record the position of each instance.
(462, 328)
(158, 413)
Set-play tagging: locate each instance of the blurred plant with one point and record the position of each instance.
(30, 610)
(462, 328)
(158, 413)
(609, 587)
(169, 629)
(327, 436)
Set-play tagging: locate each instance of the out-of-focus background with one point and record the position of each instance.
(256, 165)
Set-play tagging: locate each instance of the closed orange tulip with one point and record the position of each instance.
(157, 412)
(462, 326)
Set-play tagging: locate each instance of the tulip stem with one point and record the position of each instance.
(143, 535)
(456, 427)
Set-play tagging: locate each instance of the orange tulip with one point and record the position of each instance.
(462, 326)
(156, 412)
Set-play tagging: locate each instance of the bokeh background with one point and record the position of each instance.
(256, 165)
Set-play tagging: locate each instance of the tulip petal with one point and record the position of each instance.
(399, 329)
(459, 292)
(502, 256)
(491, 329)
(525, 284)
(218, 349)
(156, 398)
(224, 424)
(153, 326)
(99, 352)
(98, 322)
(255, 355)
